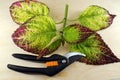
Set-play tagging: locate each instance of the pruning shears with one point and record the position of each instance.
(54, 64)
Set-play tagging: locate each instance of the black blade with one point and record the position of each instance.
(51, 71)
(29, 57)
(26, 69)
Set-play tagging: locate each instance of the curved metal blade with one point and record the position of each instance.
(70, 54)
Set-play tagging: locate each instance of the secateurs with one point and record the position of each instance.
(54, 64)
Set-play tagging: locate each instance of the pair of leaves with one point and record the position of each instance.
(89, 43)
(84, 38)
(38, 34)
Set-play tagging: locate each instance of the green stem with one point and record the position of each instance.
(64, 20)
(66, 15)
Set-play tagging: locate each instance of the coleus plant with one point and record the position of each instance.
(38, 34)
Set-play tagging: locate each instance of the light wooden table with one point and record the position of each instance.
(76, 71)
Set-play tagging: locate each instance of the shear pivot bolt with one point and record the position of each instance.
(64, 61)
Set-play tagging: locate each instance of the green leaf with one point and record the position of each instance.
(38, 35)
(21, 11)
(96, 51)
(95, 18)
(76, 33)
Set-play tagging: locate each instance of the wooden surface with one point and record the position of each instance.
(76, 71)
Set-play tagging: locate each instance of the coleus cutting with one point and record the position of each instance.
(38, 34)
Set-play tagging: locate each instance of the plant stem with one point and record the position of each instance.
(66, 15)
(64, 20)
